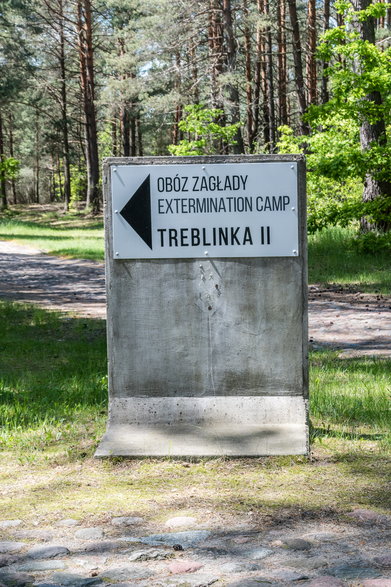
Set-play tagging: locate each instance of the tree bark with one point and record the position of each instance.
(372, 133)
(64, 110)
(310, 57)
(298, 66)
(114, 142)
(270, 82)
(86, 58)
(282, 66)
(3, 184)
(178, 108)
(125, 130)
(231, 88)
(139, 136)
(12, 153)
(215, 44)
(249, 88)
(261, 50)
(37, 158)
(326, 25)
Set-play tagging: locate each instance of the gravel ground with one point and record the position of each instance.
(126, 552)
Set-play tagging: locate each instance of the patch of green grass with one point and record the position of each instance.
(71, 235)
(351, 398)
(53, 377)
(334, 257)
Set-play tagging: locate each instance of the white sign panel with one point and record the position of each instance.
(211, 210)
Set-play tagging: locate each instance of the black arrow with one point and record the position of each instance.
(137, 212)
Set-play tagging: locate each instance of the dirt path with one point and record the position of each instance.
(355, 323)
(74, 285)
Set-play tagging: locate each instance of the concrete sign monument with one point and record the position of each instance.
(207, 307)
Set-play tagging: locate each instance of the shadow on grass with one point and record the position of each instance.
(319, 432)
(85, 254)
(52, 367)
(349, 393)
(50, 237)
(334, 257)
(48, 224)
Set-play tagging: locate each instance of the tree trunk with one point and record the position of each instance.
(3, 185)
(86, 57)
(64, 113)
(60, 181)
(249, 89)
(263, 76)
(133, 135)
(215, 44)
(125, 131)
(12, 153)
(270, 82)
(310, 57)
(178, 108)
(37, 157)
(326, 25)
(298, 66)
(257, 79)
(282, 68)
(372, 133)
(114, 144)
(139, 136)
(231, 87)
(194, 73)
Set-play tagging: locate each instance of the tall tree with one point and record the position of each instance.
(87, 79)
(373, 129)
(326, 25)
(231, 85)
(55, 21)
(3, 185)
(282, 63)
(310, 54)
(298, 64)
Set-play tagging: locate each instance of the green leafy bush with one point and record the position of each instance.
(9, 168)
(333, 189)
(78, 184)
(373, 242)
(205, 130)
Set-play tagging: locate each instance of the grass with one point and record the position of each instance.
(53, 377)
(47, 228)
(53, 410)
(53, 413)
(333, 257)
(351, 398)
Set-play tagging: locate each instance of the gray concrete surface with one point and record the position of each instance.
(209, 330)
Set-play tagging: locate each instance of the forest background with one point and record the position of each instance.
(81, 80)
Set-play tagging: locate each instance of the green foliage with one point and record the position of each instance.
(358, 69)
(343, 393)
(206, 131)
(73, 237)
(78, 184)
(337, 164)
(52, 368)
(373, 243)
(9, 168)
(374, 10)
(343, 256)
(333, 188)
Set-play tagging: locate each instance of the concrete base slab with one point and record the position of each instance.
(206, 426)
